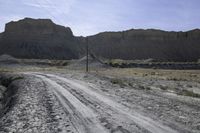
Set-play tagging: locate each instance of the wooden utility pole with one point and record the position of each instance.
(87, 52)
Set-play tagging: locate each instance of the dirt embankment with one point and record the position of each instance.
(7, 92)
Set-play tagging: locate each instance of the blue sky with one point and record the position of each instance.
(88, 17)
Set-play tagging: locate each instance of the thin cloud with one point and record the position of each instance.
(87, 17)
(37, 5)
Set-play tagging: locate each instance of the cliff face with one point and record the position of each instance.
(144, 44)
(41, 38)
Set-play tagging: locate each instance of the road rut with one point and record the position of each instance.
(92, 111)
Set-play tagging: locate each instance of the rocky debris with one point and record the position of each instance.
(93, 62)
(2, 94)
(7, 92)
(35, 110)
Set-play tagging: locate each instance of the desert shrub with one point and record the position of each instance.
(130, 84)
(142, 87)
(189, 93)
(145, 74)
(153, 73)
(65, 63)
(162, 87)
(120, 82)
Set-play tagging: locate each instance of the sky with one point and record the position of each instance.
(89, 17)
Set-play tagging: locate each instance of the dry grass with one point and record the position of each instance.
(184, 75)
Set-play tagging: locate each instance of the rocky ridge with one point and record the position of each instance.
(42, 39)
(146, 44)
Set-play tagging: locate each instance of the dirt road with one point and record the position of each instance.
(55, 102)
(91, 111)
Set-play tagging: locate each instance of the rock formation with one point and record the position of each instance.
(144, 44)
(41, 38)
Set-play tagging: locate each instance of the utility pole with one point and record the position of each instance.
(87, 52)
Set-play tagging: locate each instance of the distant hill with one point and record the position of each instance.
(145, 44)
(38, 38)
(8, 59)
(41, 38)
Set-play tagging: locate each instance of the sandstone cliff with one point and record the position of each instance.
(145, 44)
(41, 38)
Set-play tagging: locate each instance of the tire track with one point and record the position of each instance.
(116, 110)
(142, 121)
(83, 118)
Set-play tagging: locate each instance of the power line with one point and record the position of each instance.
(87, 54)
